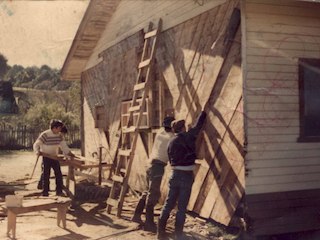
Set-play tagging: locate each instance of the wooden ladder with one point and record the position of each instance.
(130, 132)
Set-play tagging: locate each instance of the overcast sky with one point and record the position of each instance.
(37, 32)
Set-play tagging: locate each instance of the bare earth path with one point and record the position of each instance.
(87, 221)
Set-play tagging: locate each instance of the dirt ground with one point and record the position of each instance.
(85, 221)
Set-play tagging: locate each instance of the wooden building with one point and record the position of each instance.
(252, 64)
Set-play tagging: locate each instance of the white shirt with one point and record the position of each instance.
(160, 146)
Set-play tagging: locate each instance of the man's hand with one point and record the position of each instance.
(71, 155)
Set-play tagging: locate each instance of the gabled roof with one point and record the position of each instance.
(98, 14)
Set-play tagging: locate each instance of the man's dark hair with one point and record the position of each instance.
(167, 123)
(64, 129)
(54, 123)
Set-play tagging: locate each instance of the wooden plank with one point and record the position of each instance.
(231, 175)
(273, 131)
(311, 161)
(282, 37)
(145, 63)
(267, 84)
(150, 34)
(273, 107)
(296, 178)
(282, 187)
(276, 19)
(288, 53)
(282, 154)
(283, 44)
(139, 86)
(117, 178)
(134, 108)
(275, 171)
(113, 202)
(124, 152)
(204, 167)
(286, 10)
(282, 146)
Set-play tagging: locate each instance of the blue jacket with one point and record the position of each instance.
(182, 148)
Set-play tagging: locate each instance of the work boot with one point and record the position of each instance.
(40, 187)
(139, 209)
(161, 233)
(45, 194)
(149, 225)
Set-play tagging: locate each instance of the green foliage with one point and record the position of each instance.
(3, 65)
(59, 99)
(39, 116)
(43, 78)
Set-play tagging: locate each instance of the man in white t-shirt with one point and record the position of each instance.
(158, 160)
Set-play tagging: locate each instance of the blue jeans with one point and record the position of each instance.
(180, 185)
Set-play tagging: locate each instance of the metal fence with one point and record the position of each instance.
(21, 137)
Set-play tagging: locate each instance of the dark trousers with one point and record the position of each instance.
(55, 165)
(180, 185)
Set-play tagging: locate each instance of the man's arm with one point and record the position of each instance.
(65, 149)
(195, 130)
(36, 146)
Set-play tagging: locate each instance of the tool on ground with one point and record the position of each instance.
(35, 165)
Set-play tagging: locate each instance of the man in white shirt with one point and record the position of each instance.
(48, 142)
(158, 161)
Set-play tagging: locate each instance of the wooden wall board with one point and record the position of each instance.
(198, 66)
(282, 146)
(263, 163)
(108, 83)
(303, 10)
(230, 178)
(284, 170)
(205, 200)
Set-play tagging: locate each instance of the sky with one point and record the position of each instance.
(34, 33)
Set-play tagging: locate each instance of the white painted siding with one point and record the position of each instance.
(132, 16)
(278, 33)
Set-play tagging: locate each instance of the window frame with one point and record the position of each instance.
(302, 135)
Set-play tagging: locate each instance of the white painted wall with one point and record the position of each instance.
(277, 34)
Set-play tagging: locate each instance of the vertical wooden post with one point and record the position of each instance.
(100, 165)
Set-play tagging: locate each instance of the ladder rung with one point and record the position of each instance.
(124, 152)
(117, 178)
(139, 86)
(123, 170)
(134, 108)
(144, 63)
(108, 183)
(113, 202)
(129, 129)
(150, 34)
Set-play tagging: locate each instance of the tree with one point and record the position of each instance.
(39, 116)
(3, 66)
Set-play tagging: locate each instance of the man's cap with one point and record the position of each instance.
(167, 122)
(178, 125)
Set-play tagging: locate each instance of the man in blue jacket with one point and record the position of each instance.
(182, 156)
